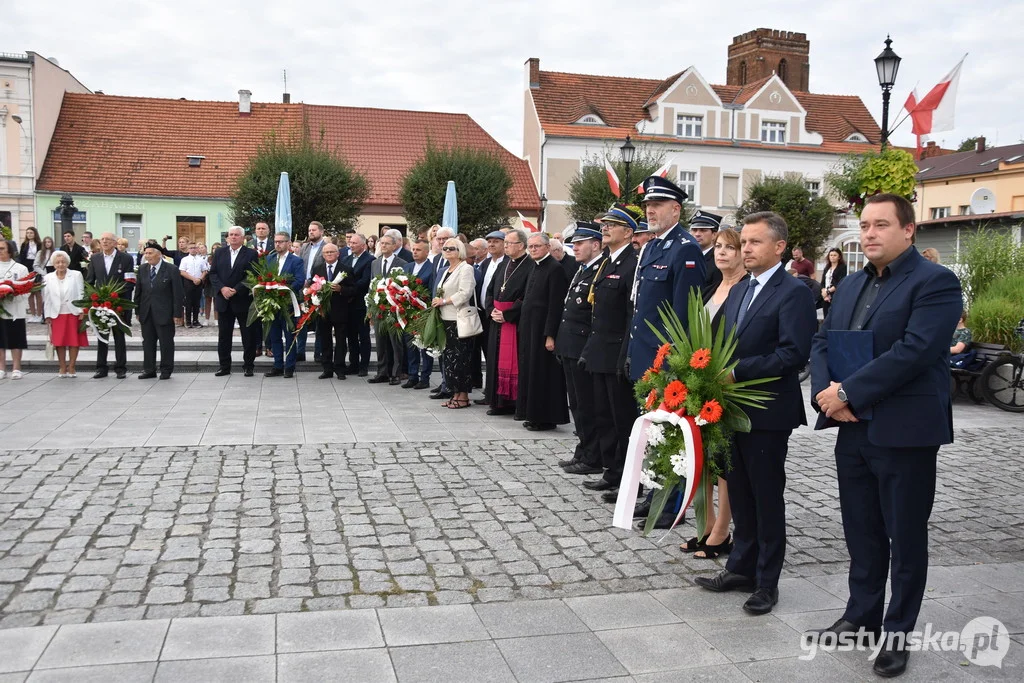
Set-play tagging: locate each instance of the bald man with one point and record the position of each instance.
(109, 267)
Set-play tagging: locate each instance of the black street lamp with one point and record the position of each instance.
(543, 208)
(628, 151)
(886, 64)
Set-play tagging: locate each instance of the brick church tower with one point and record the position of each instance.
(757, 54)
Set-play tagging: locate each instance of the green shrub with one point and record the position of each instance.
(5, 232)
(988, 256)
(995, 314)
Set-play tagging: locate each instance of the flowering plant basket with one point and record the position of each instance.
(396, 299)
(10, 288)
(693, 409)
(103, 306)
(271, 296)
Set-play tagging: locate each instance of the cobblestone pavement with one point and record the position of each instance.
(163, 532)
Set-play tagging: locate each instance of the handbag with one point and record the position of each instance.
(467, 320)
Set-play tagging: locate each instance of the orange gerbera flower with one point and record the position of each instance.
(675, 394)
(649, 375)
(652, 398)
(711, 411)
(659, 358)
(700, 359)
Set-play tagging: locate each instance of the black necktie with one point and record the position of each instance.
(578, 276)
(152, 275)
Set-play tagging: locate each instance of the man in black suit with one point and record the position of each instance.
(110, 266)
(774, 318)
(420, 363)
(399, 239)
(390, 349)
(704, 228)
(331, 328)
(75, 251)
(893, 410)
(159, 296)
(357, 329)
(232, 300)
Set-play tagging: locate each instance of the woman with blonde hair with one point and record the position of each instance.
(62, 287)
(454, 297)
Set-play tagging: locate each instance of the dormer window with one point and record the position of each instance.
(195, 160)
(855, 137)
(689, 126)
(591, 120)
(773, 132)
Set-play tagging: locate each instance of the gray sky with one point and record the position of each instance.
(463, 56)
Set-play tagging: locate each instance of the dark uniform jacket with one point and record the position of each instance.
(605, 350)
(574, 328)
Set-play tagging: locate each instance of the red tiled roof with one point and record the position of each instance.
(115, 145)
(623, 101)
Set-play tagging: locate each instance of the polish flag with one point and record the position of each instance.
(663, 172)
(527, 225)
(934, 112)
(613, 179)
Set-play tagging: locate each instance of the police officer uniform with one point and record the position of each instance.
(705, 219)
(672, 264)
(573, 332)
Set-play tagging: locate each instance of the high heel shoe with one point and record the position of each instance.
(713, 552)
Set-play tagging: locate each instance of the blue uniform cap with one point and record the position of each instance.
(657, 188)
(585, 231)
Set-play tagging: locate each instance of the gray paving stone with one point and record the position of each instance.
(725, 673)
(529, 618)
(313, 631)
(213, 637)
(23, 646)
(470, 662)
(669, 647)
(139, 672)
(748, 638)
(562, 657)
(110, 643)
(620, 611)
(418, 626)
(222, 670)
(371, 666)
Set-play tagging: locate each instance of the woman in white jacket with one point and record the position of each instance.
(454, 295)
(61, 288)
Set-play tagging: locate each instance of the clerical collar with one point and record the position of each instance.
(541, 259)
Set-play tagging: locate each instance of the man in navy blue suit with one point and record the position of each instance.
(893, 413)
(774, 318)
(420, 363)
(358, 329)
(232, 299)
(284, 262)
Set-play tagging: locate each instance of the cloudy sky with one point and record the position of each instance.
(462, 56)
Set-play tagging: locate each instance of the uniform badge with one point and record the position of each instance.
(579, 300)
(691, 264)
(613, 277)
(658, 266)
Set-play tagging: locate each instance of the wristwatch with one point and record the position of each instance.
(841, 393)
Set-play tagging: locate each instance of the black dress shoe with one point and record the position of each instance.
(249, 372)
(642, 509)
(317, 358)
(610, 496)
(762, 601)
(582, 468)
(844, 626)
(500, 411)
(341, 375)
(222, 372)
(289, 373)
(378, 379)
(600, 485)
(100, 374)
(326, 374)
(570, 461)
(120, 374)
(540, 426)
(276, 372)
(147, 375)
(363, 372)
(442, 395)
(394, 381)
(166, 375)
(409, 384)
(726, 581)
(481, 401)
(422, 385)
(891, 661)
(300, 357)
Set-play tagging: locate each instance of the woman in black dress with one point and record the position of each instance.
(834, 272)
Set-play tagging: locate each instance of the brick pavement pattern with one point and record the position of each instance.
(109, 534)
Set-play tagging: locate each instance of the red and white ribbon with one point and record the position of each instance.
(296, 311)
(693, 463)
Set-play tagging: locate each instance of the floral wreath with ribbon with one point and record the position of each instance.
(103, 306)
(395, 299)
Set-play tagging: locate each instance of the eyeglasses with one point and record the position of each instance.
(449, 249)
(535, 246)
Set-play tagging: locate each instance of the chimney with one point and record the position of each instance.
(286, 98)
(931, 150)
(979, 146)
(244, 102)
(533, 72)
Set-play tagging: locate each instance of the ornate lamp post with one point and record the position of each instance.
(627, 152)
(543, 211)
(886, 64)
(67, 214)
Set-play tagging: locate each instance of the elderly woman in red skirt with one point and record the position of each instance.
(63, 318)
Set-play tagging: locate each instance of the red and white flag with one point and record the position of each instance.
(933, 113)
(613, 179)
(527, 225)
(663, 172)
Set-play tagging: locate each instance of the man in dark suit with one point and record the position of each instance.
(671, 266)
(159, 296)
(357, 329)
(110, 266)
(75, 251)
(331, 328)
(894, 411)
(311, 257)
(281, 338)
(261, 241)
(493, 262)
(774, 318)
(399, 239)
(704, 228)
(420, 363)
(390, 349)
(232, 300)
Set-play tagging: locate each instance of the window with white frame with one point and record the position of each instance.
(591, 120)
(853, 256)
(940, 212)
(688, 183)
(773, 131)
(965, 209)
(814, 187)
(689, 126)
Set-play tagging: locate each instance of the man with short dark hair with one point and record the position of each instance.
(261, 239)
(311, 257)
(282, 335)
(77, 255)
(420, 363)
(801, 266)
(880, 371)
(194, 269)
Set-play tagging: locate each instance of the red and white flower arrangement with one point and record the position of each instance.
(395, 299)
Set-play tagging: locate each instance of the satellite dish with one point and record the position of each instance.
(983, 201)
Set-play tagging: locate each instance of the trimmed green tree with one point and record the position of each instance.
(858, 176)
(482, 185)
(809, 218)
(324, 187)
(589, 192)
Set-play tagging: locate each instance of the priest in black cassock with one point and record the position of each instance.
(542, 401)
(504, 301)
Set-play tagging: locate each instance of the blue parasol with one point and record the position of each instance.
(283, 211)
(451, 209)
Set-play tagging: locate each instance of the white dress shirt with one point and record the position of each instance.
(195, 265)
(762, 280)
(416, 267)
(491, 269)
(234, 255)
(108, 260)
